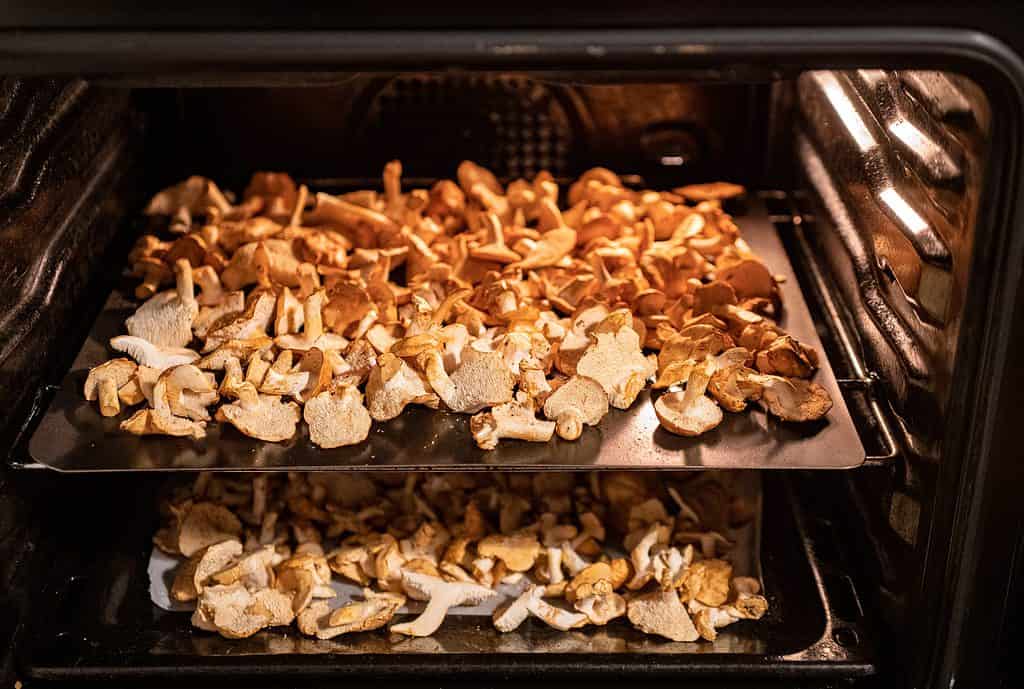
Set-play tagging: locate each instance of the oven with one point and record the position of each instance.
(880, 161)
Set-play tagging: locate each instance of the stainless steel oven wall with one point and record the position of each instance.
(897, 160)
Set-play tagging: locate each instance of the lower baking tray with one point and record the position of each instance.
(98, 622)
(72, 436)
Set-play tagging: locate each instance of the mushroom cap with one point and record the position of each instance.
(695, 418)
(148, 354)
(582, 394)
(710, 191)
(337, 418)
(602, 609)
(392, 385)
(785, 356)
(795, 399)
(519, 553)
(270, 419)
(663, 614)
(206, 524)
(481, 380)
(616, 361)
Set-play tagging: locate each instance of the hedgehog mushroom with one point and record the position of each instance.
(166, 318)
(264, 417)
(337, 418)
(392, 385)
(150, 355)
(663, 614)
(313, 334)
(579, 401)
(251, 323)
(616, 361)
(481, 380)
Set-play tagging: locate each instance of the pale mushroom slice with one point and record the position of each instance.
(161, 420)
(196, 194)
(150, 355)
(264, 417)
(192, 576)
(553, 246)
(206, 524)
(481, 380)
(188, 391)
(232, 611)
(510, 420)
(707, 582)
(579, 401)
(690, 413)
(794, 399)
(441, 596)
(519, 553)
(663, 614)
(616, 361)
(337, 418)
(232, 305)
(531, 602)
(602, 609)
(313, 334)
(104, 382)
(710, 191)
(393, 385)
(252, 323)
(732, 384)
(166, 318)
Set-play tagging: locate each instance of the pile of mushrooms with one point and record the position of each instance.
(261, 552)
(531, 307)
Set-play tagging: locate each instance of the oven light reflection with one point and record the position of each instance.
(846, 110)
(908, 217)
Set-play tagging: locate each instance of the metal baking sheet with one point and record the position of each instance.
(72, 436)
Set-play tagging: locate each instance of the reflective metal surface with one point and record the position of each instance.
(72, 436)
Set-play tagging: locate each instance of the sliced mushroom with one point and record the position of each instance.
(104, 382)
(166, 318)
(393, 385)
(616, 361)
(579, 401)
(264, 417)
(337, 418)
(150, 355)
(481, 380)
(663, 614)
(690, 413)
(441, 596)
(511, 420)
(795, 399)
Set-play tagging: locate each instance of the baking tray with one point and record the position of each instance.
(98, 622)
(72, 436)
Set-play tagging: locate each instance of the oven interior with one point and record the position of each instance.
(872, 179)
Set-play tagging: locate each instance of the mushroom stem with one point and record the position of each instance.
(300, 205)
(313, 316)
(185, 287)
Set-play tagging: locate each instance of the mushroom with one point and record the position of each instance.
(252, 323)
(441, 596)
(392, 385)
(272, 258)
(150, 355)
(794, 399)
(640, 555)
(597, 579)
(579, 401)
(166, 318)
(616, 361)
(481, 380)
(104, 382)
(531, 602)
(785, 356)
(553, 246)
(231, 306)
(264, 417)
(710, 191)
(663, 614)
(187, 391)
(337, 418)
(733, 384)
(357, 616)
(691, 412)
(707, 582)
(205, 524)
(195, 194)
(519, 553)
(232, 611)
(509, 420)
(313, 334)
(601, 609)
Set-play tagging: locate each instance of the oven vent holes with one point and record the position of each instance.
(513, 125)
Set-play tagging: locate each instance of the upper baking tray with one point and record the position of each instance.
(72, 436)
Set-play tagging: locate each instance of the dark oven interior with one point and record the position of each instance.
(872, 178)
